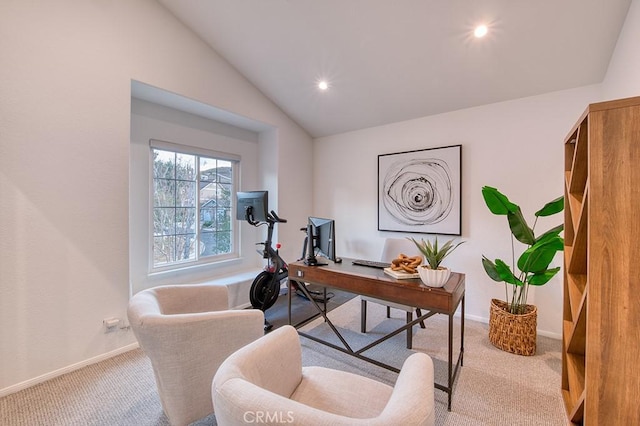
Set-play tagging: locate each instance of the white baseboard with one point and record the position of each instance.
(474, 318)
(40, 379)
(550, 334)
(243, 306)
(484, 320)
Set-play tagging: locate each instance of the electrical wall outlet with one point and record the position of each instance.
(111, 324)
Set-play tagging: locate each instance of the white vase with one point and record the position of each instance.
(434, 277)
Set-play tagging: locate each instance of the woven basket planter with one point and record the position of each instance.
(510, 332)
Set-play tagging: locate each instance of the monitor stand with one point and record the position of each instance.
(311, 259)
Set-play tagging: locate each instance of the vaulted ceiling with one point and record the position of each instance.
(387, 61)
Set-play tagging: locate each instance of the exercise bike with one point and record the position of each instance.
(265, 288)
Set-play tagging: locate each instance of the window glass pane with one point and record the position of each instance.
(164, 193)
(185, 247)
(185, 194)
(208, 170)
(223, 220)
(224, 195)
(208, 242)
(208, 195)
(164, 221)
(225, 171)
(207, 219)
(164, 164)
(185, 166)
(163, 250)
(224, 242)
(185, 221)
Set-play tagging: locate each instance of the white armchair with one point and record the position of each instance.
(187, 331)
(392, 248)
(265, 383)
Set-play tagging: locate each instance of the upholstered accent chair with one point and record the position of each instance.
(391, 249)
(265, 381)
(187, 331)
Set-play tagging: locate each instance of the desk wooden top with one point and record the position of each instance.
(374, 282)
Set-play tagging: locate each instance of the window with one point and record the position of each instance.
(192, 205)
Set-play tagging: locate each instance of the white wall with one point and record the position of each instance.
(66, 74)
(623, 75)
(515, 146)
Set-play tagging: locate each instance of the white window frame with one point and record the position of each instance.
(235, 229)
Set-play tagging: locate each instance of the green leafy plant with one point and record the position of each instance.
(533, 263)
(433, 254)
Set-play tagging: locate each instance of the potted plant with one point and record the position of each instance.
(432, 274)
(512, 322)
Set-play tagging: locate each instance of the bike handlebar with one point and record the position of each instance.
(276, 218)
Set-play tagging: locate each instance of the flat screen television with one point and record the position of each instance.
(322, 236)
(252, 206)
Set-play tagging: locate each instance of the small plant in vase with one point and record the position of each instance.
(432, 274)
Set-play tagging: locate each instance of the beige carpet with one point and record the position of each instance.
(493, 387)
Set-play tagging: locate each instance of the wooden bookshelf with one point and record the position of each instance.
(601, 312)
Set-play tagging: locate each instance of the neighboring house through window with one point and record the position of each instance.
(192, 192)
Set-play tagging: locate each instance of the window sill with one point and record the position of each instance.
(195, 268)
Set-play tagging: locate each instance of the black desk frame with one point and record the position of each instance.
(322, 311)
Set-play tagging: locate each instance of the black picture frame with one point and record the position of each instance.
(420, 191)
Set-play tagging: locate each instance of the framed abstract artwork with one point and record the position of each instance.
(421, 191)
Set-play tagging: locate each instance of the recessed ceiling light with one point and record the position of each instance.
(323, 85)
(480, 31)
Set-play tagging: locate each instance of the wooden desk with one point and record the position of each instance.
(375, 283)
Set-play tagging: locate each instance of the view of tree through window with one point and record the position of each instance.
(191, 207)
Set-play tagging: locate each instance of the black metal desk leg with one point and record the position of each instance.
(462, 334)
(409, 330)
(363, 316)
(324, 300)
(450, 391)
(289, 299)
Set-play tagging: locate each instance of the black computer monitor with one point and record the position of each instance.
(252, 206)
(323, 235)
